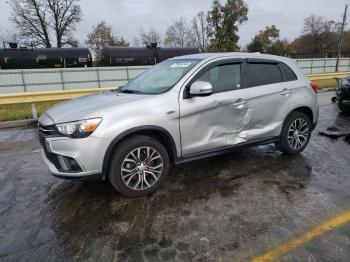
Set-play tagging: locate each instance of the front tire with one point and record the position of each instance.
(296, 133)
(139, 165)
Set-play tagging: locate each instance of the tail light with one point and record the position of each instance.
(313, 86)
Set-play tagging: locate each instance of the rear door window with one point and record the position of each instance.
(263, 74)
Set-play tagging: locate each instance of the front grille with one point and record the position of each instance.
(48, 130)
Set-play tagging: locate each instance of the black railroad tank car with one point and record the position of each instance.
(63, 57)
(16, 58)
(125, 56)
(129, 56)
(29, 58)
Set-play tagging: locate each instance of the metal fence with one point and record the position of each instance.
(323, 65)
(319, 55)
(38, 80)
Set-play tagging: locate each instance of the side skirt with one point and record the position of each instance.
(215, 152)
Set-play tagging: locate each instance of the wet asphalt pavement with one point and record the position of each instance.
(228, 208)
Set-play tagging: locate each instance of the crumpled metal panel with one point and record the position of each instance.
(234, 117)
(269, 106)
(212, 122)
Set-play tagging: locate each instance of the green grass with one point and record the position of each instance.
(22, 111)
(321, 84)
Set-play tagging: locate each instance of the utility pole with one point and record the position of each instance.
(341, 38)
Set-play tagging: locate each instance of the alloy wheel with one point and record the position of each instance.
(142, 168)
(298, 133)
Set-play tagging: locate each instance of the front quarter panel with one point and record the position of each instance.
(158, 110)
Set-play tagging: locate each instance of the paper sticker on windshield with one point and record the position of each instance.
(181, 65)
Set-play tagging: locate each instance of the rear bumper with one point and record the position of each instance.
(316, 112)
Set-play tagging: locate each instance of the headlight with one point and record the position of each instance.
(79, 129)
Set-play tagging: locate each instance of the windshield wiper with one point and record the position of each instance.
(130, 91)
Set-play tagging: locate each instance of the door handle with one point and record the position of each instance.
(239, 103)
(285, 92)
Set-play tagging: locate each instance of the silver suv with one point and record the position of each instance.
(182, 109)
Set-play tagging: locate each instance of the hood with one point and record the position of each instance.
(89, 106)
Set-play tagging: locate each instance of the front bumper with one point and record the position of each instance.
(87, 154)
(60, 174)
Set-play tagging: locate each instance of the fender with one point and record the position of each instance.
(171, 146)
(306, 110)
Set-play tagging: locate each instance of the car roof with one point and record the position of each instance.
(209, 56)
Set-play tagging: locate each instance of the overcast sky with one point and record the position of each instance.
(126, 16)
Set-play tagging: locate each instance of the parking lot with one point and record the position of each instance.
(234, 207)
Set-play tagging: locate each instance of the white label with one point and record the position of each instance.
(181, 65)
(82, 60)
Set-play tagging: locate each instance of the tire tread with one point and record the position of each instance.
(118, 156)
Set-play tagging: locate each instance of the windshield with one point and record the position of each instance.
(160, 78)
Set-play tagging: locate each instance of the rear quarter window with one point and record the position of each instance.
(287, 72)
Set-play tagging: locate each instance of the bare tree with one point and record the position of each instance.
(200, 31)
(148, 37)
(2, 38)
(346, 41)
(66, 15)
(178, 34)
(316, 25)
(38, 20)
(31, 19)
(319, 34)
(136, 42)
(11, 37)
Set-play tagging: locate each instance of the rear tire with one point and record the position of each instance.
(295, 135)
(138, 166)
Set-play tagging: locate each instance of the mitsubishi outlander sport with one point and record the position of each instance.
(182, 109)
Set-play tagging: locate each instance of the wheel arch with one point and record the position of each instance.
(306, 110)
(156, 132)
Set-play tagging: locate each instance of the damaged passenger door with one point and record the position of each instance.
(270, 96)
(219, 119)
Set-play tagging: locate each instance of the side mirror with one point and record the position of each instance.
(201, 88)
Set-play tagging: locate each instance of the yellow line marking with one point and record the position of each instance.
(304, 238)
